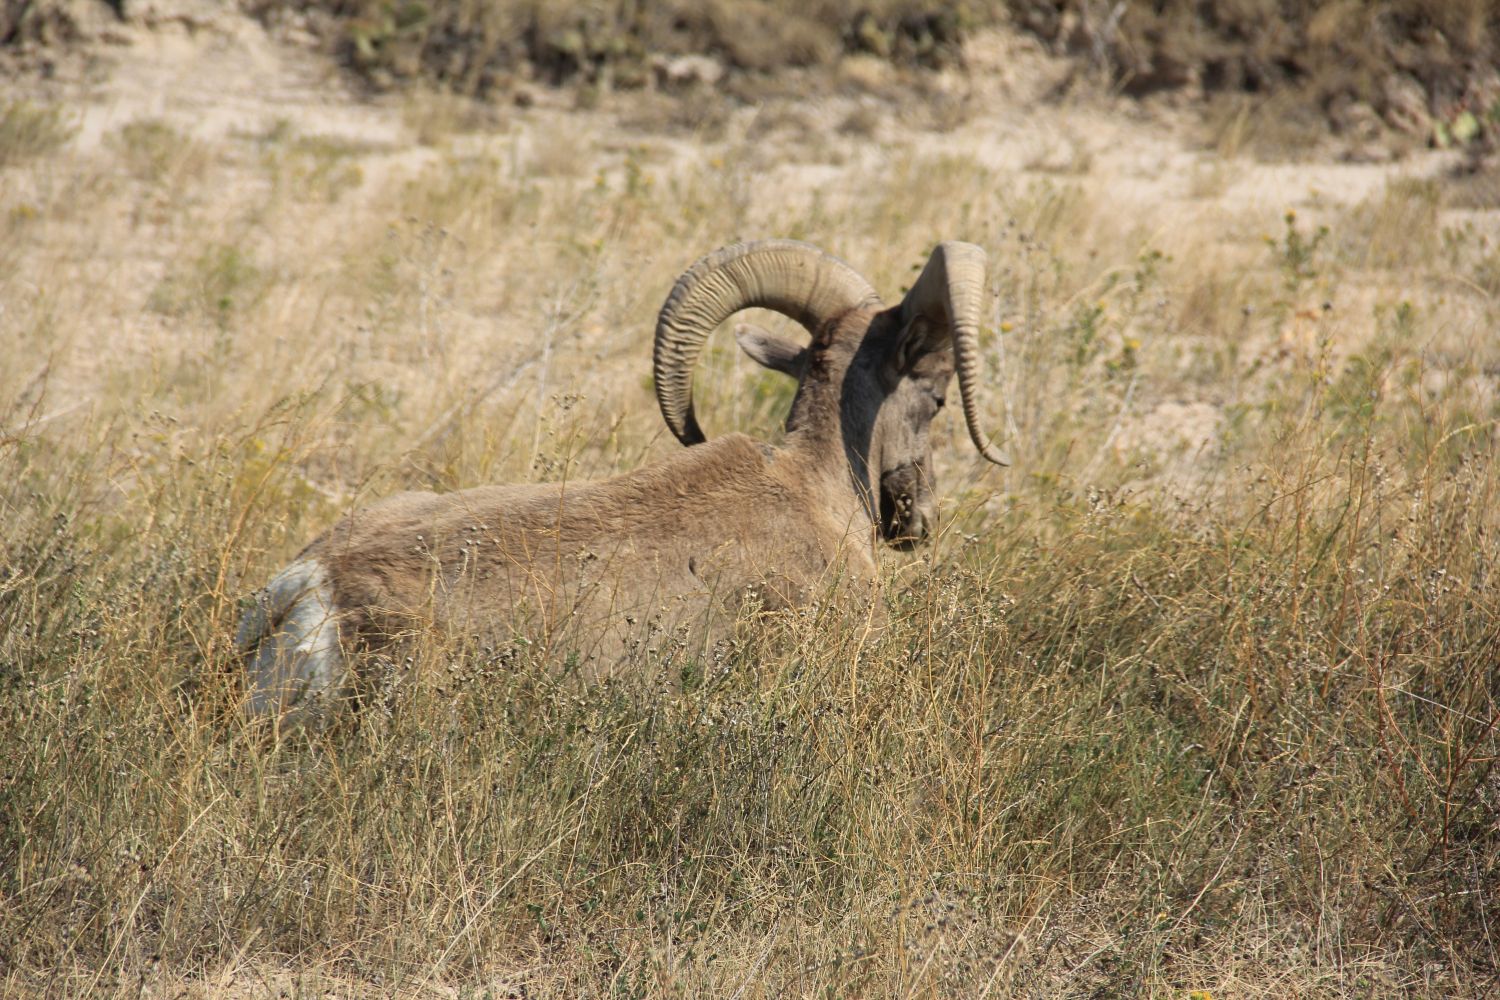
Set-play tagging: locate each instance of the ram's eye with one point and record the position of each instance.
(939, 399)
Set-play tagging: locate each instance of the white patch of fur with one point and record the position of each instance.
(291, 639)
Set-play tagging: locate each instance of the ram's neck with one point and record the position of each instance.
(832, 424)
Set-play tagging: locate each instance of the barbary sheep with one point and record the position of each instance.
(685, 542)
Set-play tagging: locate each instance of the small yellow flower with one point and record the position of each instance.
(1132, 343)
(1200, 995)
(1007, 326)
(1291, 216)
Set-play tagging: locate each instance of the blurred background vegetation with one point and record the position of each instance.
(1404, 59)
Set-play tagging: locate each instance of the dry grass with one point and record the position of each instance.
(1158, 712)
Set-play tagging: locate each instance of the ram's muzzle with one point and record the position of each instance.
(907, 511)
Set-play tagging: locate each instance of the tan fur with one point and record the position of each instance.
(589, 564)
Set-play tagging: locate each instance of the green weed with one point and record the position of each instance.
(28, 131)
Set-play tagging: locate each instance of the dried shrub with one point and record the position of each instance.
(1420, 64)
(474, 46)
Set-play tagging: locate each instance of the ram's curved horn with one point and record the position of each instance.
(795, 279)
(950, 292)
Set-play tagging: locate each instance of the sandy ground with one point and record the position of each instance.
(219, 79)
(218, 76)
(215, 75)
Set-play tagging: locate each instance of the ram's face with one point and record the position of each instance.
(915, 377)
(890, 379)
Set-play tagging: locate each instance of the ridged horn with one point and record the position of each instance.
(795, 279)
(950, 292)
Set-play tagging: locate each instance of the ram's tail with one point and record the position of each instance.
(290, 639)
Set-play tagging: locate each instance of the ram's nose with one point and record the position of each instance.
(906, 516)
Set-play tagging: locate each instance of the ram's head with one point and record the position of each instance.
(869, 382)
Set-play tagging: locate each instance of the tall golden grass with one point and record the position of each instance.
(1164, 709)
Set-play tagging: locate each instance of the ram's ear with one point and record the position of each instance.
(920, 336)
(771, 350)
